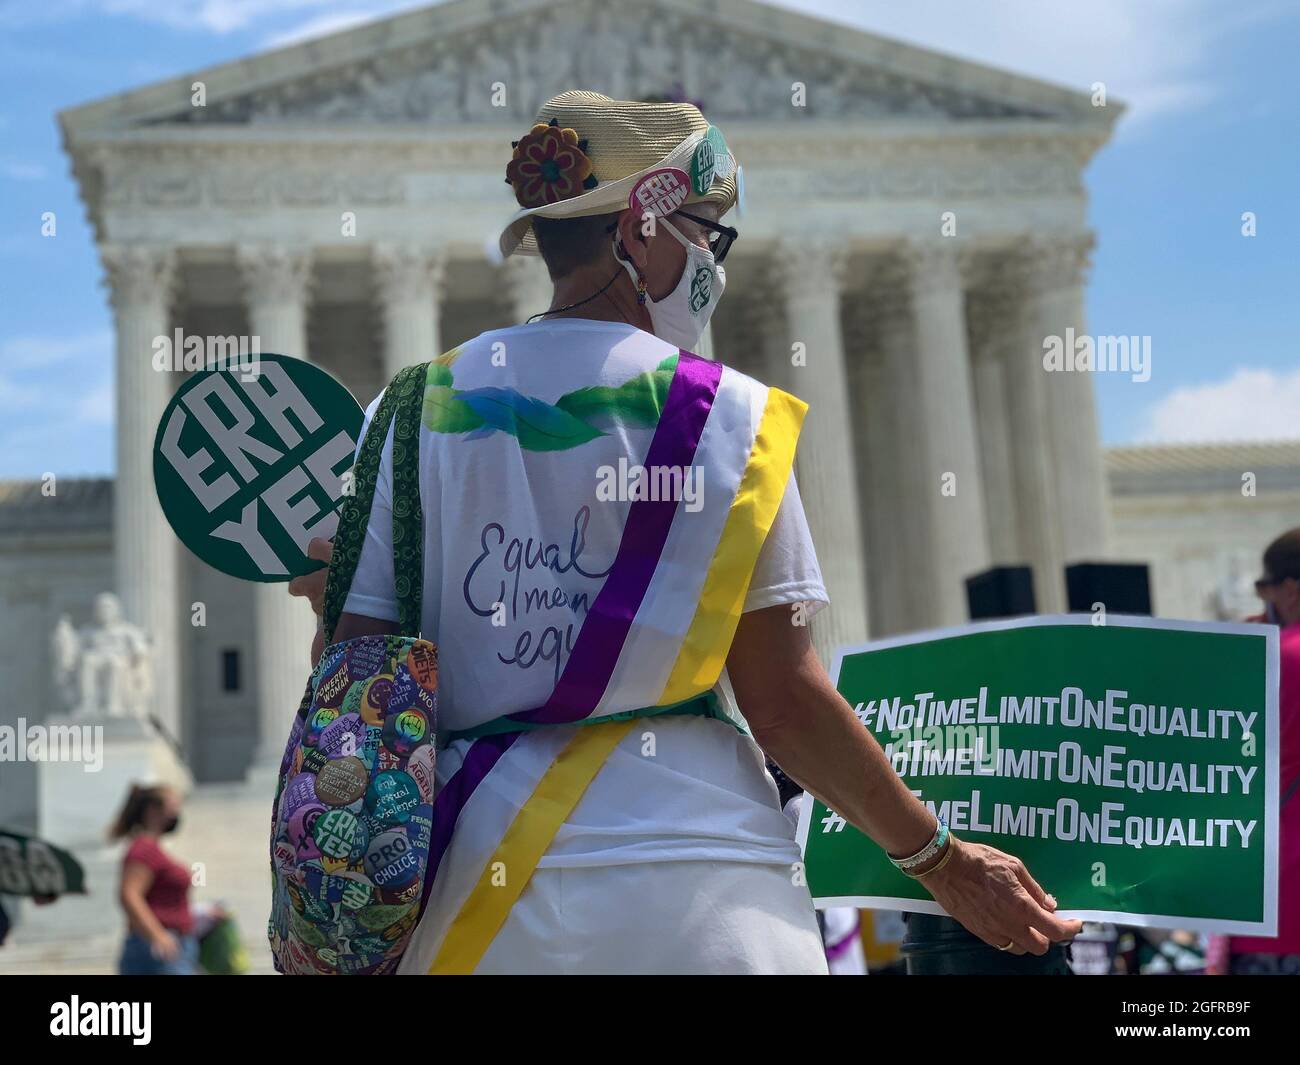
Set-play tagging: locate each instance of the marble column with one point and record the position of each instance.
(276, 281)
(882, 395)
(950, 488)
(742, 329)
(1032, 468)
(811, 276)
(528, 287)
(409, 281)
(146, 558)
(764, 349)
(1059, 266)
(993, 335)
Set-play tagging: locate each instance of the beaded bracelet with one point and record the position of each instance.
(947, 857)
(905, 865)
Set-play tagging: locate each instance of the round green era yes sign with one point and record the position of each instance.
(250, 463)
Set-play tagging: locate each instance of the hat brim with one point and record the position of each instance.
(606, 198)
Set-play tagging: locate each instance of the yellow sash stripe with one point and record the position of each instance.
(522, 847)
(704, 648)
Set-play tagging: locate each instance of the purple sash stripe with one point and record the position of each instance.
(600, 641)
(837, 950)
(482, 755)
(601, 638)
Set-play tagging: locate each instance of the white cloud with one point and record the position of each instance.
(18, 396)
(96, 406)
(1158, 101)
(200, 16)
(29, 352)
(1249, 405)
(321, 26)
(217, 16)
(36, 369)
(29, 449)
(1159, 56)
(20, 171)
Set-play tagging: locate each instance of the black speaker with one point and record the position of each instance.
(1000, 592)
(1122, 587)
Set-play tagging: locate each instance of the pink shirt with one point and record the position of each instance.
(1288, 890)
(168, 895)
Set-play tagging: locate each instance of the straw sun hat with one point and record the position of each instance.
(587, 154)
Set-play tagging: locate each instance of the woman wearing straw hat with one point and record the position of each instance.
(612, 532)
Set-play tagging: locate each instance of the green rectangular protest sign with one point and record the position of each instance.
(1132, 765)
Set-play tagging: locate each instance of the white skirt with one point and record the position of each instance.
(677, 859)
(669, 918)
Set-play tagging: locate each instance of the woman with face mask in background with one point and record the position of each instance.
(616, 568)
(154, 889)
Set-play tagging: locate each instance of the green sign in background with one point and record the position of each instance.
(29, 866)
(1225, 888)
(296, 456)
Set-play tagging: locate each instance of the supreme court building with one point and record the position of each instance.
(913, 227)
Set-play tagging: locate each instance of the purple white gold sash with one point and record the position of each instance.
(657, 633)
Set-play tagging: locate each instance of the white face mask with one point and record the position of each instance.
(680, 317)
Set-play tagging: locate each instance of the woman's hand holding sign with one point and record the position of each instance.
(311, 586)
(993, 895)
(808, 729)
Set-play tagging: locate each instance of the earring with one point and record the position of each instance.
(620, 252)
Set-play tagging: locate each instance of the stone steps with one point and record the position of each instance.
(91, 956)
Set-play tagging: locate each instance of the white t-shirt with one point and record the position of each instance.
(507, 526)
(495, 513)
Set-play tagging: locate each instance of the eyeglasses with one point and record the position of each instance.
(720, 237)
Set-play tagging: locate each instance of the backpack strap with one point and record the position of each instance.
(408, 513)
(400, 407)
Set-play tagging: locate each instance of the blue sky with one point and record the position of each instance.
(1213, 130)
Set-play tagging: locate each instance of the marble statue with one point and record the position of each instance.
(1235, 598)
(104, 670)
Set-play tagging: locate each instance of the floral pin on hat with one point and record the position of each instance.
(587, 154)
(549, 164)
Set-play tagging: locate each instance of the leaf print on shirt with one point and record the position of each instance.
(445, 412)
(571, 421)
(635, 402)
(536, 425)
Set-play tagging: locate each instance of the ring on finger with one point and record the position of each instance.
(1010, 943)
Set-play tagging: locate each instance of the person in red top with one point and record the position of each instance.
(154, 889)
(1279, 587)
